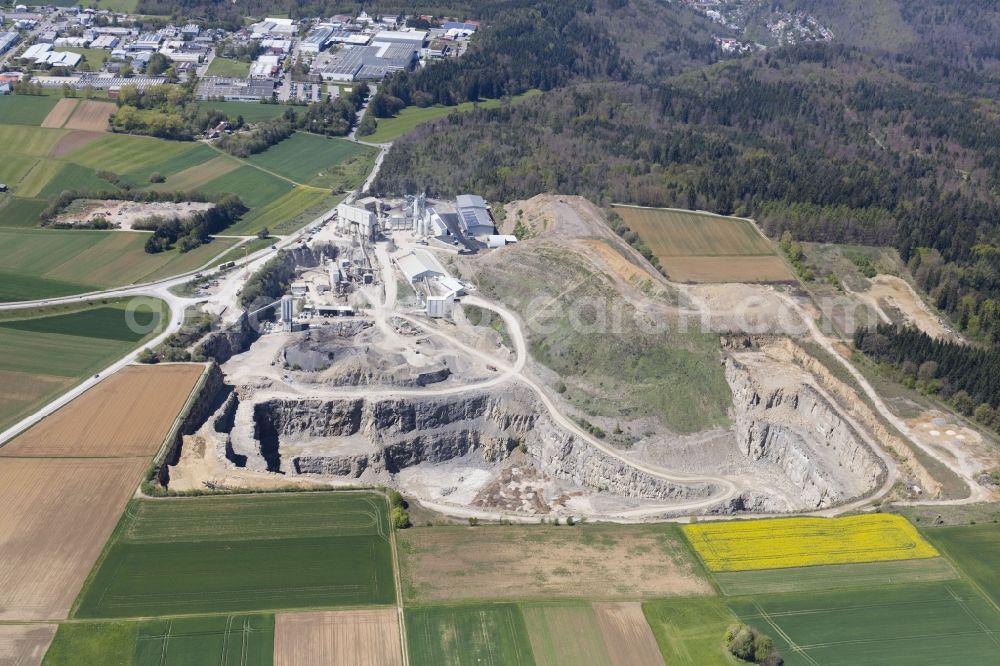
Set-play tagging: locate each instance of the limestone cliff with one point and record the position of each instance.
(782, 419)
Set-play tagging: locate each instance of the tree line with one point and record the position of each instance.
(966, 376)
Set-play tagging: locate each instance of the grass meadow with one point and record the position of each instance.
(233, 554)
(48, 352)
(228, 67)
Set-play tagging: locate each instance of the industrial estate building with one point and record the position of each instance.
(474, 215)
(239, 90)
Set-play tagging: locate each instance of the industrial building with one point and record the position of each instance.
(350, 38)
(265, 67)
(418, 266)
(147, 41)
(441, 295)
(287, 312)
(8, 40)
(104, 42)
(357, 220)
(413, 38)
(238, 90)
(363, 63)
(273, 27)
(317, 39)
(474, 215)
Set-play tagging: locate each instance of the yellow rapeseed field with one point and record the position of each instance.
(799, 542)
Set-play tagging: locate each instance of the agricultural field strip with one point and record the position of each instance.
(264, 170)
(799, 650)
(224, 573)
(834, 576)
(298, 518)
(972, 549)
(678, 233)
(792, 542)
(246, 632)
(771, 616)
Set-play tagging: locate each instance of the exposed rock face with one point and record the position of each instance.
(784, 420)
(358, 437)
(223, 345)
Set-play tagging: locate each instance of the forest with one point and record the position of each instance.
(966, 376)
(831, 142)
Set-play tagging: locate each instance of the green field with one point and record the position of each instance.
(48, 352)
(126, 153)
(51, 177)
(246, 249)
(25, 109)
(239, 640)
(307, 158)
(976, 551)
(254, 187)
(484, 635)
(47, 263)
(565, 634)
(18, 212)
(834, 576)
(690, 631)
(390, 129)
(32, 141)
(228, 67)
(284, 214)
(252, 112)
(232, 554)
(937, 623)
(175, 162)
(93, 643)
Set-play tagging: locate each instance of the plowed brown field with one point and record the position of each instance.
(72, 141)
(60, 113)
(629, 639)
(361, 638)
(91, 116)
(57, 514)
(25, 645)
(128, 414)
(546, 562)
(727, 269)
